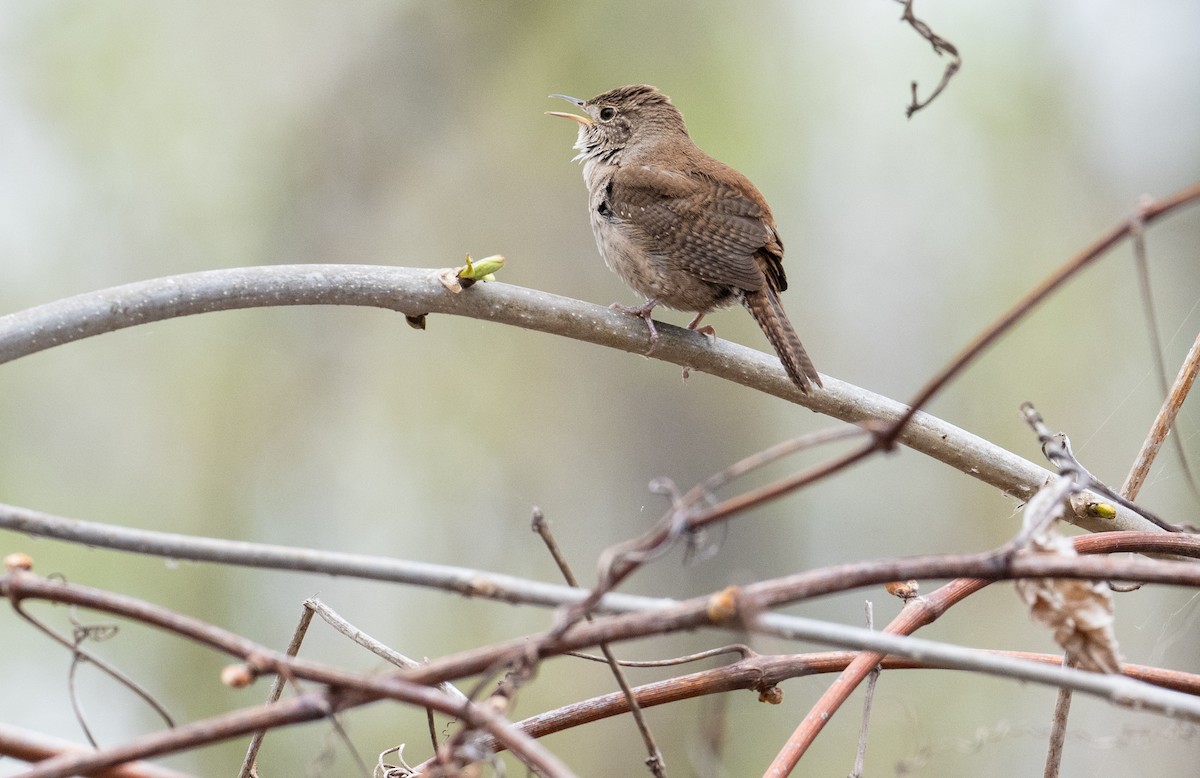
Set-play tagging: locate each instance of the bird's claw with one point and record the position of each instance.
(642, 312)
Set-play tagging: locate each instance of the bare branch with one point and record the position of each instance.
(860, 756)
(466, 581)
(1058, 730)
(1057, 448)
(940, 46)
(35, 747)
(349, 690)
(1163, 423)
(333, 619)
(414, 291)
(78, 655)
(734, 648)
(921, 611)
(685, 615)
(256, 740)
(661, 615)
(1149, 210)
(410, 686)
(762, 671)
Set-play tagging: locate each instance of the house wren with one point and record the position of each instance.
(679, 227)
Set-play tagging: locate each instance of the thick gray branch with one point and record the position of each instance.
(417, 291)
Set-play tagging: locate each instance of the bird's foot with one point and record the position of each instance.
(706, 330)
(642, 311)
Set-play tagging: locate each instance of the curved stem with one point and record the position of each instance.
(416, 292)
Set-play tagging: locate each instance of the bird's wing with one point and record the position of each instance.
(665, 206)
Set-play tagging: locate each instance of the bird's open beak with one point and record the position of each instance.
(584, 120)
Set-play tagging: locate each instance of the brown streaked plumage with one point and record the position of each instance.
(683, 229)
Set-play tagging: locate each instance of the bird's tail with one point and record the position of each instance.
(767, 310)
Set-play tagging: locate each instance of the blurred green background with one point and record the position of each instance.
(145, 139)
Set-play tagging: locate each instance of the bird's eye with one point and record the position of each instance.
(606, 114)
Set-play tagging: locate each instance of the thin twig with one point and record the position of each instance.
(431, 723)
(940, 46)
(339, 729)
(1137, 235)
(654, 758)
(81, 718)
(77, 653)
(1058, 730)
(1163, 423)
(767, 456)
(1049, 504)
(860, 756)
(708, 755)
(388, 654)
(734, 648)
(256, 741)
(1057, 448)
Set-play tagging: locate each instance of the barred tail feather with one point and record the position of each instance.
(765, 307)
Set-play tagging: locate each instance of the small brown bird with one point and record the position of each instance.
(679, 227)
